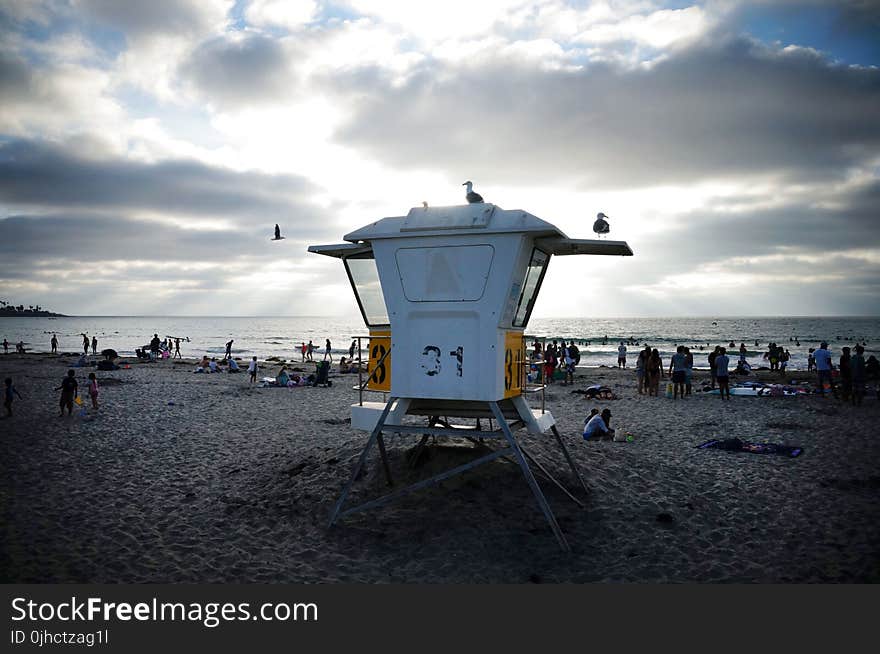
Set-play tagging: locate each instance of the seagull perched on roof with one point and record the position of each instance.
(601, 225)
(472, 196)
(278, 235)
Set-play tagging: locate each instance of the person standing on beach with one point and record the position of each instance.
(721, 372)
(549, 365)
(677, 367)
(154, 347)
(824, 368)
(5, 346)
(327, 351)
(8, 394)
(351, 349)
(93, 390)
(302, 350)
(94, 345)
(311, 349)
(69, 390)
(252, 370)
(654, 372)
(85, 344)
(177, 349)
(54, 343)
(228, 354)
(688, 369)
(713, 355)
(858, 375)
(641, 367)
(845, 375)
(621, 355)
(569, 364)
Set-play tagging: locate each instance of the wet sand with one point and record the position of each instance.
(204, 478)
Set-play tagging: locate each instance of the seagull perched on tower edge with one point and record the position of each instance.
(601, 225)
(472, 196)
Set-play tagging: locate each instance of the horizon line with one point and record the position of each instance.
(707, 317)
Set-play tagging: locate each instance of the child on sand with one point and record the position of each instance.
(69, 390)
(599, 425)
(252, 370)
(93, 390)
(7, 396)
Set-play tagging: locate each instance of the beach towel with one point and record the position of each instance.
(736, 445)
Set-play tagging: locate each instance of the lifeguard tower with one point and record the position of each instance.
(447, 293)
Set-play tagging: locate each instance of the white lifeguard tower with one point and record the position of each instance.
(447, 293)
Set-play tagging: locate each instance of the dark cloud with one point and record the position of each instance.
(240, 71)
(157, 17)
(37, 173)
(97, 237)
(728, 108)
(14, 76)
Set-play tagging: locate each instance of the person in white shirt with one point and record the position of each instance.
(252, 369)
(599, 425)
(621, 355)
(824, 368)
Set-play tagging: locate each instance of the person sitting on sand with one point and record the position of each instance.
(212, 365)
(69, 390)
(599, 425)
(283, 378)
(233, 366)
(344, 366)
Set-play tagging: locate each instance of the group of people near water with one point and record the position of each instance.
(550, 359)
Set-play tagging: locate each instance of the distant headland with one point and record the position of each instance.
(8, 310)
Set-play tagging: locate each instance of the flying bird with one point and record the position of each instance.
(278, 235)
(601, 225)
(472, 196)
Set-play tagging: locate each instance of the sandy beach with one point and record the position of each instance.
(204, 478)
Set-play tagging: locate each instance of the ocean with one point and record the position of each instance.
(597, 338)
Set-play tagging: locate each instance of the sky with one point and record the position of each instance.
(148, 149)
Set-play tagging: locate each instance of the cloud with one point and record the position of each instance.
(41, 174)
(712, 110)
(138, 20)
(290, 14)
(54, 99)
(240, 70)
